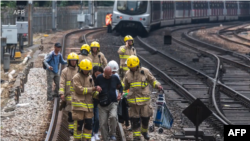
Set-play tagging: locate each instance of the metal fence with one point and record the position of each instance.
(43, 22)
(66, 18)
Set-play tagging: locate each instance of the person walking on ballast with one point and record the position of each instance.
(65, 83)
(108, 102)
(52, 62)
(136, 80)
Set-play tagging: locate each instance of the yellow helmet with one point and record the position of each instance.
(95, 44)
(128, 38)
(72, 56)
(85, 46)
(85, 64)
(133, 61)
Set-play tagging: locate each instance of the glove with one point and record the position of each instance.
(62, 105)
(96, 95)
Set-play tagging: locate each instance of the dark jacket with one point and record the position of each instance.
(122, 111)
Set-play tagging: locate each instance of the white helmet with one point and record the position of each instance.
(114, 66)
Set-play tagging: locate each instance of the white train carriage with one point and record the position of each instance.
(231, 10)
(167, 13)
(183, 13)
(244, 10)
(199, 10)
(143, 15)
(134, 14)
(215, 10)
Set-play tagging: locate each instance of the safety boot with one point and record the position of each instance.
(145, 135)
(71, 131)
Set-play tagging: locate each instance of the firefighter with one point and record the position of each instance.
(108, 22)
(65, 82)
(136, 80)
(97, 57)
(83, 90)
(84, 52)
(125, 52)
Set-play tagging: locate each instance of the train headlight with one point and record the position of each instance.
(140, 19)
(120, 17)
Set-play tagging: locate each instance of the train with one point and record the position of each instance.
(145, 15)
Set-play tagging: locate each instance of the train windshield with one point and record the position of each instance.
(132, 7)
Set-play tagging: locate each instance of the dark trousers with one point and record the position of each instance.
(51, 76)
(95, 119)
(109, 29)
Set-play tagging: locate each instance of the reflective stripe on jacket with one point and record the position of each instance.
(65, 84)
(82, 93)
(96, 61)
(137, 83)
(124, 53)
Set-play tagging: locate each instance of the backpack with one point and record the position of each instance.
(44, 66)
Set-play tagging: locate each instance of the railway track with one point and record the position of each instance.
(58, 128)
(235, 70)
(234, 78)
(198, 80)
(235, 31)
(220, 96)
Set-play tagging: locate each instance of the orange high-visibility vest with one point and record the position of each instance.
(110, 15)
(108, 19)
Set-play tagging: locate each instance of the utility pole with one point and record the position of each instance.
(91, 13)
(54, 15)
(81, 12)
(81, 9)
(30, 24)
(20, 17)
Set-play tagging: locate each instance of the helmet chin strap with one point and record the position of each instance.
(71, 64)
(81, 71)
(84, 52)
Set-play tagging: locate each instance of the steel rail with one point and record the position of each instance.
(119, 125)
(200, 75)
(216, 83)
(53, 121)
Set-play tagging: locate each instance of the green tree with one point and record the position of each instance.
(10, 4)
(63, 3)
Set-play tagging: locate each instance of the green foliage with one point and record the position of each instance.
(63, 3)
(10, 4)
(48, 4)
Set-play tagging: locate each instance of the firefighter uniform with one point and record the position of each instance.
(124, 53)
(98, 59)
(139, 96)
(85, 49)
(82, 104)
(65, 83)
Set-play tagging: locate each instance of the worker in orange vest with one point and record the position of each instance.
(108, 22)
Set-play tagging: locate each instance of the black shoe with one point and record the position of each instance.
(50, 99)
(145, 135)
(56, 95)
(71, 131)
(130, 129)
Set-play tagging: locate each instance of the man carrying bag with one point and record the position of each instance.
(108, 102)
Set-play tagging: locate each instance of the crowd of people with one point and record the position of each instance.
(90, 89)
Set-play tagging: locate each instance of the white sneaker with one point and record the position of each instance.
(93, 138)
(96, 137)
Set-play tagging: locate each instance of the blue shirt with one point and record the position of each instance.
(54, 60)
